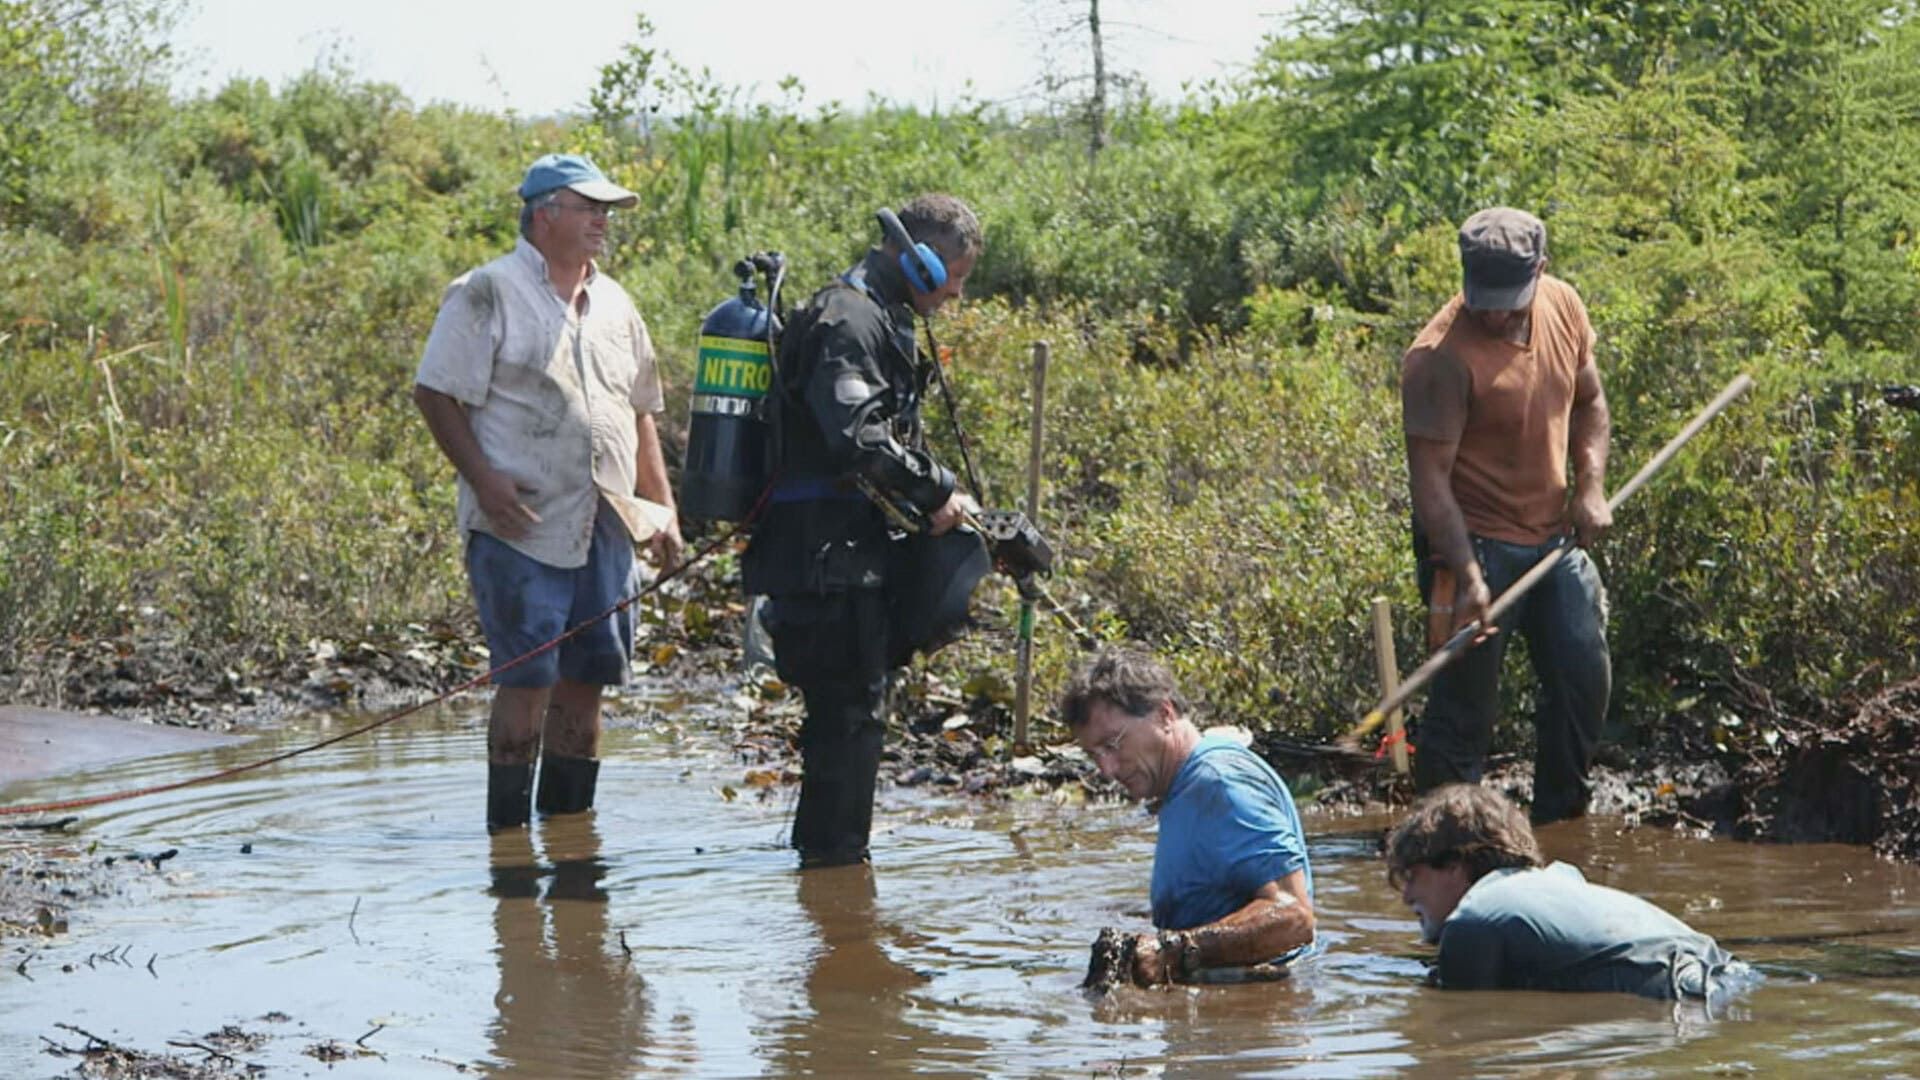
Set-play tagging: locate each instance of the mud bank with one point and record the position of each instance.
(1854, 783)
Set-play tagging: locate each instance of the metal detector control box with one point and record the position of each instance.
(1018, 548)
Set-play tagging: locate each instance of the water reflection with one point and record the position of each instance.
(314, 892)
(570, 1003)
(854, 1022)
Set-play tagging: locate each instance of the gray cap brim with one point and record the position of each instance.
(1484, 297)
(605, 191)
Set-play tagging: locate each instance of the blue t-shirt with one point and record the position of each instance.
(1551, 929)
(1227, 827)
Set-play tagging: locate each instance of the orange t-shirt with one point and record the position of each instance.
(1510, 406)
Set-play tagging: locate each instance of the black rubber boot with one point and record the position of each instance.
(566, 784)
(840, 756)
(509, 792)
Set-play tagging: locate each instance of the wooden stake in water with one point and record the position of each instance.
(1389, 668)
(1023, 686)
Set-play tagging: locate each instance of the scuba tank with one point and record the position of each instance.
(728, 449)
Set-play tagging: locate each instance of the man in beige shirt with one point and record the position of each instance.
(539, 384)
(1500, 395)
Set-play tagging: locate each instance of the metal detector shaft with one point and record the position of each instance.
(1023, 657)
(1463, 638)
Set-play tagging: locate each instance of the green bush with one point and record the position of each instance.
(210, 310)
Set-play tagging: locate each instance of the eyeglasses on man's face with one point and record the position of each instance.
(591, 209)
(1109, 747)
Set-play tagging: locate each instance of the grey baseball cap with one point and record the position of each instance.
(1501, 252)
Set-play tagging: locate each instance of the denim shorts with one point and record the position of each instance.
(525, 604)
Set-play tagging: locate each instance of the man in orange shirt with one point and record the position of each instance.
(1499, 395)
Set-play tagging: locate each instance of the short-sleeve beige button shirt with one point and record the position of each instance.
(552, 391)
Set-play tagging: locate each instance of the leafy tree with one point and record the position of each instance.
(62, 61)
(1398, 97)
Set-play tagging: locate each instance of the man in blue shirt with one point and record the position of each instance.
(1466, 861)
(1231, 884)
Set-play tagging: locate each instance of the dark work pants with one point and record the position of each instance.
(832, 646)
(1564, 621)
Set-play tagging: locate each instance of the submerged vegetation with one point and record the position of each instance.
(211, 307)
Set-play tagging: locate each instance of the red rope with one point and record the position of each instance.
(1387, 741)
(134, 793)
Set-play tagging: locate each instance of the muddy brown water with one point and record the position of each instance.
(668, 934)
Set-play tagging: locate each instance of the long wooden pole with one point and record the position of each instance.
(1464, 637)
(1023, 687)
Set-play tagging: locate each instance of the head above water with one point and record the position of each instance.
(1452, 837)
(1124, 710)
(1502, 253)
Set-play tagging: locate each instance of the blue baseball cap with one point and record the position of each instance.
(555, 171)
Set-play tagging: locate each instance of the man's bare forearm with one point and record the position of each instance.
(1590, 428)
(650, 465)
(1263, 929)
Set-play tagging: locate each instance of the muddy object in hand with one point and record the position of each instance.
(1111, 964)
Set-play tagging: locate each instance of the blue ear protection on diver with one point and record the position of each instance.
(923, 266)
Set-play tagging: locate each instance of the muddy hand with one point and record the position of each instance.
(1149, 963)
(1110, 963)
(499, 499)
(667, 545)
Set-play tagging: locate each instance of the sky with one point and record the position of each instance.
(540, 59)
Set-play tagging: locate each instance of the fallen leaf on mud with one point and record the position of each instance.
(762, 777)
(990, 686)
(665, 654)
(48, 923)
(727, 793)
(1666, 788)
(332, 1050)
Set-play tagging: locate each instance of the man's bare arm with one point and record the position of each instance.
(1430, 478)
(1589, 431)
(498, 495)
